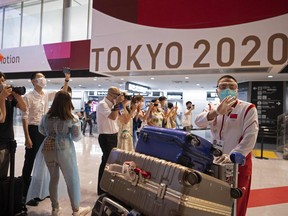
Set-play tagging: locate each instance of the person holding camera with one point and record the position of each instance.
(107, 112)
(187, 116)
(37, 102)
(8, 100)
(88, 117)
(125, 123)
(156, 116)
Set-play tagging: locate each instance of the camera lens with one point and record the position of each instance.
(21, 90)
(127, 97)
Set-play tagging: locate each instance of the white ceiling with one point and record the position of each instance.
(180, 81)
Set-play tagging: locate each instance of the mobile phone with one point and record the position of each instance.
(176, 103)
(66, 70)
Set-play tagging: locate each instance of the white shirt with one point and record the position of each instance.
(238, 130)
(187, 119)
(37, 106)
(105, 125)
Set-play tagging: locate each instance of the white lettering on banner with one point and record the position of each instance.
(9, 59)
(225, 49)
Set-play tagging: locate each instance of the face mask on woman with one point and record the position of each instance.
(41, 82)
(226, 92)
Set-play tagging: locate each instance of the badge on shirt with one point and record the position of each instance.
(233, 116)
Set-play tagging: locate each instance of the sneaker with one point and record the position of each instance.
(82, 211)
(56, 212)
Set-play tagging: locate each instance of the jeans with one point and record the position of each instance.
(107, 142)
(66, 161)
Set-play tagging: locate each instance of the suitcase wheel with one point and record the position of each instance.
(236, 193)
(216, 152)
(192, 178)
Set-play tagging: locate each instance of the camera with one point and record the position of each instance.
(155, 104)
(21, 90)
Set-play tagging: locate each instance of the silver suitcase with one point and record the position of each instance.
(156, 187)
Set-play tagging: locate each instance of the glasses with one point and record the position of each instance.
(231, 86)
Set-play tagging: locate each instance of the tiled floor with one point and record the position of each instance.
(266, 174)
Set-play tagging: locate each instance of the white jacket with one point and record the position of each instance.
(238, 130)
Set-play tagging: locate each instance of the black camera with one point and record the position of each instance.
(127, 97)
(20, 90)
(155, 104)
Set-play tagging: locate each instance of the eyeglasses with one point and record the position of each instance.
(231, 86)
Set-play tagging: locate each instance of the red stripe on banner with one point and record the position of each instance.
(268, 196)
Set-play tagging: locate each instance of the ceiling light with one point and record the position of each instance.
(49, 80)
(198, 84)
(79, 85)
(186, 77)
(122, 79)
(99, 85)
(11, 81)
(270, 76)
(152, 78)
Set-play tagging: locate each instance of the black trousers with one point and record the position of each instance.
(107, 142)
(30, 154)
(89, 121)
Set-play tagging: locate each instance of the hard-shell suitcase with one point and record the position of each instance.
(107, 205)
(154, 186)
(177, 146)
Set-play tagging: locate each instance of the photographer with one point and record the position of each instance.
(187, 116)
(8, 100)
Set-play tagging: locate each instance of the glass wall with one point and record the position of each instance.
(12, 25)
(35, 22)
(52, 21)
(31, 23)
(1, 24)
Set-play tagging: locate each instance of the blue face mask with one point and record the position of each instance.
(226, 92)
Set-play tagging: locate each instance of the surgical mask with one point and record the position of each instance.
(227, 92)
(41, 82)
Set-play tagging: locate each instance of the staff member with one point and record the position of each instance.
(107, 115)
(234, 128)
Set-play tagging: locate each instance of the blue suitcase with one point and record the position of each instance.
(177, 146)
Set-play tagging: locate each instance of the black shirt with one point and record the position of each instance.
(6, 128)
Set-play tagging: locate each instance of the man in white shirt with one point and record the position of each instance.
(234, 128)
(187, 116)
(107, 115)
(37, 102)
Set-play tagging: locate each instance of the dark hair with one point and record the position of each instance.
(188, 102)
(69, 89)
(136, 98)
(227, 77)
(162, 98)
(62, 106)
(170, 105)
(154, 100)
(89, 101)
(2, 75)
(33, 75)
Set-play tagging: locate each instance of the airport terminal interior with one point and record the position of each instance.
(156, 48)
(269, 179)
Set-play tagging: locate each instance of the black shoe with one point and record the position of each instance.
(32, 202)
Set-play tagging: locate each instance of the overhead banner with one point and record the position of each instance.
(119, 45)
(48, 57)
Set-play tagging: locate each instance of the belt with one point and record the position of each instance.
(115, 134)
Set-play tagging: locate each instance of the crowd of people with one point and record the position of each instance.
(50, 132)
